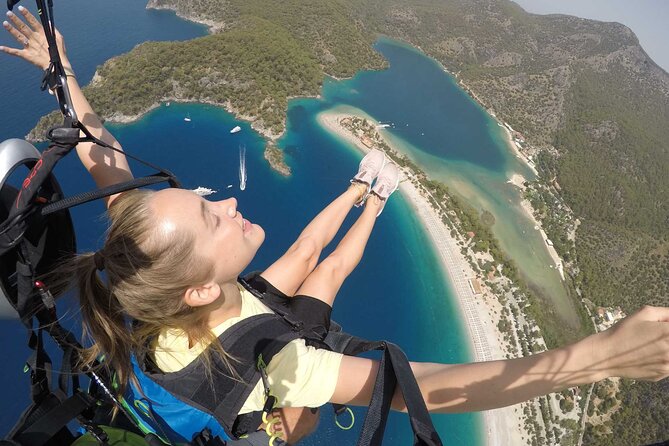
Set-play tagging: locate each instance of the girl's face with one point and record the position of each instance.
(222, 235)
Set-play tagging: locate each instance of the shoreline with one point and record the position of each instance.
(514, 148)
(501, 426)
(119, 118)
(519, 181)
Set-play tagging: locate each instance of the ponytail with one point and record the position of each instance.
(146, 274)
(104, 323)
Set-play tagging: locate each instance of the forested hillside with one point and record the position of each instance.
(261, 55)
(586, 93)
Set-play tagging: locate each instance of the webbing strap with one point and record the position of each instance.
(264, 334)
(394, 370)
(117, 188)
(39, 365)
(48, 425)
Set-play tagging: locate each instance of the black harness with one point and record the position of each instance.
(263, 336)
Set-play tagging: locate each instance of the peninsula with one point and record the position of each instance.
(486, 343)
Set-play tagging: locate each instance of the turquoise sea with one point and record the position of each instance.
(398, 292)
(454, 140)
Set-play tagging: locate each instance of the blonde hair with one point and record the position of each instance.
(148, 273)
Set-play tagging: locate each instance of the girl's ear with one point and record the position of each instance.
(202, 295)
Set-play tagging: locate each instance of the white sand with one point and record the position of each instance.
(520, 155)
(517, 180)
(502, 426)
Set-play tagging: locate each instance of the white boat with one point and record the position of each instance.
(187, 118)
(229, 186)
(204, 191)
(167, 105)
(236, 129)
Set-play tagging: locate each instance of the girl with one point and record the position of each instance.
(172, 260)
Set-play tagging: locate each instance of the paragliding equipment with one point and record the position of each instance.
(35, 233)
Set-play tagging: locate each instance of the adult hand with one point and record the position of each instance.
(638, 346)
(30, 36)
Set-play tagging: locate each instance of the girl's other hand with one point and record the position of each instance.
(35, 48)
(638, 346)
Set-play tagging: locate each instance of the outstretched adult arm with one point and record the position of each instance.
(106, 166)
(637, 347)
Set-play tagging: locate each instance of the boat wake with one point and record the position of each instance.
(242, 167)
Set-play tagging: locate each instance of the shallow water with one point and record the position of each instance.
(454, 140)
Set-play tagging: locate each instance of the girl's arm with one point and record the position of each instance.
(106, 166)
(637, 347)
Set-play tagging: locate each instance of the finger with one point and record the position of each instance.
(15, 33)
(19, 24)
(12, 51)
(655, 314)
(32, 21)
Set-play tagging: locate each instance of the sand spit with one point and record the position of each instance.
(502, 426)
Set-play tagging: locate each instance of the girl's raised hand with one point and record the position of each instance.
(30, 36)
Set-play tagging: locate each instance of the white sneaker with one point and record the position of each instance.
(370, 166)
(386, 183)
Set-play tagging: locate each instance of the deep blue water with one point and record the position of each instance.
(424, 105)
(398, 292)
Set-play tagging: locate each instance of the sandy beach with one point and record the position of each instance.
(516, 151)
(501, 426)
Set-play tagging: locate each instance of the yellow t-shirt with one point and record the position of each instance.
(299, 375)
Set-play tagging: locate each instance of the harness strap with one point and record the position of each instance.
(88, 196)
(48, 420)
(261, 335)
(394, 370)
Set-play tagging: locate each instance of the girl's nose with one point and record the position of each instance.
(231, 204)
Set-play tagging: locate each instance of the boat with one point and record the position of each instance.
(187, 118)
(229, 186)
(203, 191)
(167, 104)
(236, 129)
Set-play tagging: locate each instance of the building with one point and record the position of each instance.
(367, 141)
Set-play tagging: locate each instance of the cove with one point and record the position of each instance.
(455, 141)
